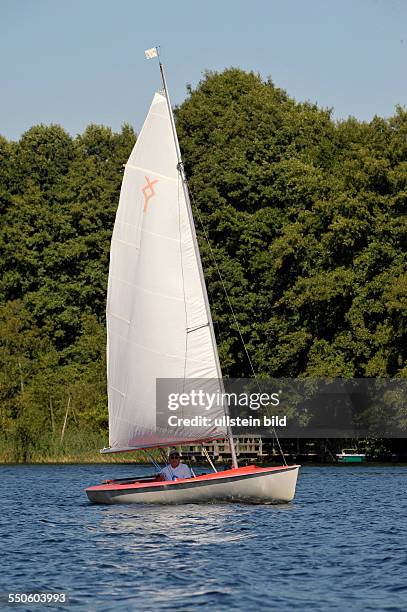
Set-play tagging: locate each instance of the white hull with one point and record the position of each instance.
(250, 484)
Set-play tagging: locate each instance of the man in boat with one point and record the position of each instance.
(175, 469)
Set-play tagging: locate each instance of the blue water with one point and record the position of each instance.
(341, 545)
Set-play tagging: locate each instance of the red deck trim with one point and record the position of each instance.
(250, 469)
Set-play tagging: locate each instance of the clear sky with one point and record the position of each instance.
(74, 62)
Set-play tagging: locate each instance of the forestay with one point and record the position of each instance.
(157, 320)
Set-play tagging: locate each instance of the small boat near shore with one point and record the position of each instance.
(159, 328)
(350, 455)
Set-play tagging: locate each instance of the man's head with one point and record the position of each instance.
(174, 458)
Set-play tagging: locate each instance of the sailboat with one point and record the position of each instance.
(159, 327)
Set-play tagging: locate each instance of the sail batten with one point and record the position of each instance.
(168, 178)
(155, 294)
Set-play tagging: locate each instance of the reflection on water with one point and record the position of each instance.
(340, 544)
(191, 524)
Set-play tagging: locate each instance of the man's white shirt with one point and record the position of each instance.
(181, 471)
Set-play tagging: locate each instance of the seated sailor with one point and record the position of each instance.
(175, 469)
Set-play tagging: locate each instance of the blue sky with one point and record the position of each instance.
(81, 61)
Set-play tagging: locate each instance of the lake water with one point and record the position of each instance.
(341, 545)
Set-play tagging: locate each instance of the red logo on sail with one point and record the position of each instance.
(148, 191)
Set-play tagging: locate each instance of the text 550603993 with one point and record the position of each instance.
(34, 598)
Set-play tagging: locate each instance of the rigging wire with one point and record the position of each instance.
(206, 453)
(183, 282)
(153, 461)
(188, 458)
(206, 236)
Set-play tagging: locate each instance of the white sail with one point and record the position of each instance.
(157, 320)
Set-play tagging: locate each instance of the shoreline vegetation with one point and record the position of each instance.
(305, 216)
(75, 448)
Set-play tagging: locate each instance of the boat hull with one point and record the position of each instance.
(352, 459)
(247, 484)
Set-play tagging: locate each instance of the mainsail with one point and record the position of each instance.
(157, 319)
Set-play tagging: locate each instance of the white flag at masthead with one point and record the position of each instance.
(150, 53)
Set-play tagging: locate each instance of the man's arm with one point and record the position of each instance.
(162, 475)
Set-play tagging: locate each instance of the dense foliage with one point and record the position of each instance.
(305, 217)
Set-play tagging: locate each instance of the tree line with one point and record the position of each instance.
(305, 215)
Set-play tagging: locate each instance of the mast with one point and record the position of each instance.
(155, 53)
